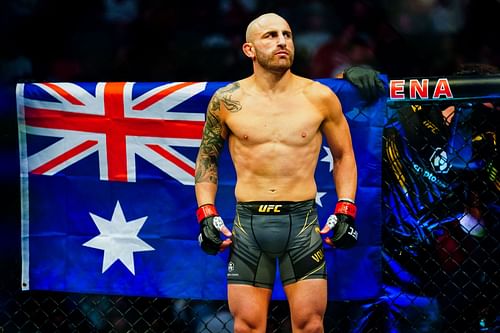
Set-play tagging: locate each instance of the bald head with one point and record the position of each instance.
(261, 23)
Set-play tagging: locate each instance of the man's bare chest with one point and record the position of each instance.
(280, 120)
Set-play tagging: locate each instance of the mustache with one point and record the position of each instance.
(283, 49)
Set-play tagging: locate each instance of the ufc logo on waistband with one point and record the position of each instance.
(270, 208)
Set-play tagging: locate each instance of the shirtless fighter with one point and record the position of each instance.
(273, 122)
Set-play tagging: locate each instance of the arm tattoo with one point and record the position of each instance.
(213, 140)
(226, 98)
(211, 144)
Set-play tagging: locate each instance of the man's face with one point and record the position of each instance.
(273, 44)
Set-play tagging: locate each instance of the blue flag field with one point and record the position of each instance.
(107, 191)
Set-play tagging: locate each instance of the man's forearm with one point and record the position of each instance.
(345, 176)
(206, 177)
(205, 193)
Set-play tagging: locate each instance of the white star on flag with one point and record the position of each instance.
(319, 195)
(118, 239)
(328, 158)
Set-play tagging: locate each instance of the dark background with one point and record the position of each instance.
(159, 40)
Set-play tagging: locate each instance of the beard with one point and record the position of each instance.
(274, 64)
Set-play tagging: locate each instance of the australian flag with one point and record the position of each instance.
(107, 191)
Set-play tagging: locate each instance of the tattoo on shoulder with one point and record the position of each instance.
(225, 96)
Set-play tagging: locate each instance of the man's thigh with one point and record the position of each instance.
(307, 297)
(249, 304)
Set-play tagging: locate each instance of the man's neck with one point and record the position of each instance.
(272, 82)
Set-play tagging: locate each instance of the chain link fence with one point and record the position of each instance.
(439, 242)
(440, 230)
(62, 312)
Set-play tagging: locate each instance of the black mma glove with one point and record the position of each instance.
(367, 81)
(341, 222)
(211, 225)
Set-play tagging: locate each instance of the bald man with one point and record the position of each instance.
(274, 122)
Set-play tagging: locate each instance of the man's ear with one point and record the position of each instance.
(248, 50)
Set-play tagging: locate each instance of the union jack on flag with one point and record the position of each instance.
(117, 122)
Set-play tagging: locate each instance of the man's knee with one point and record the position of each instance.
(309, 324)
(249, 320)
(246, 325)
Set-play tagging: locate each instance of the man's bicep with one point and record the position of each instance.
(211, 144)
(336, 129)
(335, 134)
(213, 130)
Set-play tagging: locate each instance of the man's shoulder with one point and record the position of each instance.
(317, 90)
(229, 88)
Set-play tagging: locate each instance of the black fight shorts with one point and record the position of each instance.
(265, 233)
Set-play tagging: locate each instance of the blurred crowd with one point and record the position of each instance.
(158, 40)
